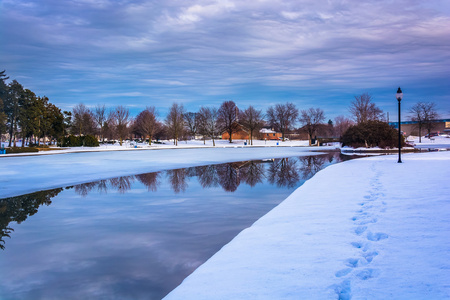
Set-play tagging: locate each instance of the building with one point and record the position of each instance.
(412, 128)
(242, 134)
(269, 134)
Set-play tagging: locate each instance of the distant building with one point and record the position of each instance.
(412, 128)
(242, 134)
(269, 134)
(239, 134)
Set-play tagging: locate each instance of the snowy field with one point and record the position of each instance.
(21, 174)
(364, 229)
(129, 146)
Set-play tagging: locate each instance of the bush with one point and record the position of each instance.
(89, 141)
(371, 134)
(78, 141)
(21, 150)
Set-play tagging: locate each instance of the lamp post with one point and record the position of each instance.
(399, 97)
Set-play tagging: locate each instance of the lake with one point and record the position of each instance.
(137, 237)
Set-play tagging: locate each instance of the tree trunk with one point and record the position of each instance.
(420, 133)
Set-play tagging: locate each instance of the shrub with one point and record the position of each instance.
(21, 150)
(371, 134)
(89, 141)
(75, 141)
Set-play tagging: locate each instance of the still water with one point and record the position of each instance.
(136, 237)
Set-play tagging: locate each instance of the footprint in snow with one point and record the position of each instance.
(343, 272)
(367, 274)
(369, 256)
(360, 229)
(375, 237)
(343, 290)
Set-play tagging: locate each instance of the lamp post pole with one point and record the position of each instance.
(399, 97)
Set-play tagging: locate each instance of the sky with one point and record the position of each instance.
(200, 53)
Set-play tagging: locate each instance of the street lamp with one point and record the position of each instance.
(399, 97)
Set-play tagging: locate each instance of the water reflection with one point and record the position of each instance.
(18, 209)
(283, 172)
(150, 180)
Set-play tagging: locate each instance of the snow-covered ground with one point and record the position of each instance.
(130, 145)
(20, 174)
(364, 229)
(435, 142)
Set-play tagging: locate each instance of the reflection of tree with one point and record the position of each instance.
(311, 165)
(178, 179)
(150, 180)
(122, 184)
(207, 176)
(102, 186)
(283, 172)
(228, 176)
(17, 209)
(84, 188)
(252, 173)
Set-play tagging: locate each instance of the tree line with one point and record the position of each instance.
(33, 119)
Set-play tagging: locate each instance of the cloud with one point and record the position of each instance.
(204, 48)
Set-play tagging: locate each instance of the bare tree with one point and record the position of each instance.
(100, 119)
(110, 126)
(121, 117)
(175, 122)
(147, 124)
(208, 122)
(282, 117)
(424, 113)
(341, 124)
(310, 119)
(363, 109)
(191, 120)
(83, 120)
(227, 120)
(252, 120)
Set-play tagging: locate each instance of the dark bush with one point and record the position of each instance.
(371, 134)
(75, 141)
(21, 150)
(89, 141)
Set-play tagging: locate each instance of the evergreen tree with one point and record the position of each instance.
(12, 109)
(3, 94)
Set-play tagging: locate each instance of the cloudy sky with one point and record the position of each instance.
(310, 52)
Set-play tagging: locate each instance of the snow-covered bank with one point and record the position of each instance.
(364, 229)
(436, 142)
(25, 174)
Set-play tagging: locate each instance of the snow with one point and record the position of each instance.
(364, 229)
(26, 173)
(436, 142)
(130, 145)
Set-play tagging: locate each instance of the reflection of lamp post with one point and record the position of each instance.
(399, 97)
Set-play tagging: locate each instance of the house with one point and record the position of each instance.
(242, 134)
(269, 134)
(239, 134)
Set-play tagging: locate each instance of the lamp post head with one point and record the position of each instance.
(399, 94)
